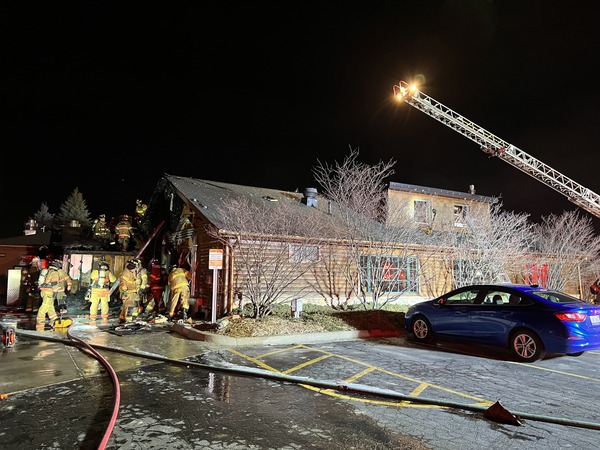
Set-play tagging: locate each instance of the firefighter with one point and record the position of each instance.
(179, 285)
(54, 283)
(158, 283)
(35, 268)
(102, 231)
(140, 211)
(102, 279)
(124, 232)
(128, 291)
(26, 290)
(131, 282)
(143, 288)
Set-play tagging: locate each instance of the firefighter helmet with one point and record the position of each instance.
(56, 263)
(103, 265)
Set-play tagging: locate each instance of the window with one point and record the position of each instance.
(304, 253)
(556, 297)
(497, 298)
(391, 274)
(463, 298)
(460, 215)
(422, 210)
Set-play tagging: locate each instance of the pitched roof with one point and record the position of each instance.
(207, 196)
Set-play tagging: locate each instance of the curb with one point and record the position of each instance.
(190, 332)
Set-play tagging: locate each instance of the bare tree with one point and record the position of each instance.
(492, 246)
(379, 239)
(274, 248)
(328, 278)
(569, 248)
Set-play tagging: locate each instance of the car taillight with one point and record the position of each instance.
(571, 317)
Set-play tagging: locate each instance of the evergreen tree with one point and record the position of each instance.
(74, 208)
(43, 217)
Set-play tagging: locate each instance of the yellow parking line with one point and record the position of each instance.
(307, 363)
(254, 360)
(283, 350)
(371, 401)
(569, 374)
(360, 374)
(421, 386)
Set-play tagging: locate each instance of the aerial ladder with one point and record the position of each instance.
(494, 146)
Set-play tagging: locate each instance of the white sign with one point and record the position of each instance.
(215, 258)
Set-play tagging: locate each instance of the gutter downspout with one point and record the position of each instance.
(229, 276)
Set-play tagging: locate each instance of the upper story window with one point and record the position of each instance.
(422, 211)
(460, 215)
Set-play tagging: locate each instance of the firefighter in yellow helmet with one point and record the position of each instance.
(179, 285)
(102, 279)
(53, 283)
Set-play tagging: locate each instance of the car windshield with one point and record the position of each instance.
(556, 297)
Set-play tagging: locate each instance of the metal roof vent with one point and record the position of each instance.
(310, 197)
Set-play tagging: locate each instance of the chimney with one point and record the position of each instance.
(310, 197)
(30, 227)
(472, 189)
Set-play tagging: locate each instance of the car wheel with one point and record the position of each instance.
(421, 329)
(527, 346)
(575, 354)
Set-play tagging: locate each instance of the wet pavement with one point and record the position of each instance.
(178, 389)
(56, 394)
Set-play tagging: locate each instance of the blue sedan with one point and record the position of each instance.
(528, 320)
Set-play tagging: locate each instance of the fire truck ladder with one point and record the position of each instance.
(494, 146)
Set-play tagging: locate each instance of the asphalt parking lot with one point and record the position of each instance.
(336, 394)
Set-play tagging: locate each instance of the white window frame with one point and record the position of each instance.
(460, 214)
(304, 253)
(422, 212)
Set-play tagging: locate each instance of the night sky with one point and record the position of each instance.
(108, 96)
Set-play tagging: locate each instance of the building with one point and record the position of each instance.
(255, 245)
(221, 254)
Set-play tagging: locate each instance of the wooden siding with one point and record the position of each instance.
(443, 206)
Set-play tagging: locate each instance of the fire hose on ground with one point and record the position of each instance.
(496, 412)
